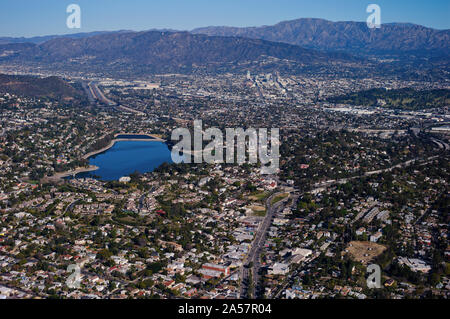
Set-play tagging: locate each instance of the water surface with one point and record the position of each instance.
(126, 157)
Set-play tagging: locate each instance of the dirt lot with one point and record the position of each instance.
(258, 196)
(258, 210)
(364, 251)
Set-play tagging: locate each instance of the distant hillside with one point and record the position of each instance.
(31, 86)
(8, 50)
(424, 53)
(137, 53)
(406, 99)
(353, 37)
(318, 34)
(42, 39)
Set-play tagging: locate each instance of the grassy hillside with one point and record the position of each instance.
(30, 86)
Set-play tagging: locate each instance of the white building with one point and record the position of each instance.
(278, 269)
(374, 238)
(302, 251)
(415, 264)
(125, 179)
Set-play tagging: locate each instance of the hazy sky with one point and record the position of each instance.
(45, 17)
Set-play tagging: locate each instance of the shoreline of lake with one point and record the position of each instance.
(127, 157)
(111, 144)
(61, 175)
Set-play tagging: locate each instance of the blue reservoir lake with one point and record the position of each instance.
(126, 157)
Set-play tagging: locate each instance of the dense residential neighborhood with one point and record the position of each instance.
(371, 187)
(244, 167)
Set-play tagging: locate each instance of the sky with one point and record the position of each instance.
(47, 17)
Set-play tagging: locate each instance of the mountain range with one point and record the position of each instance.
(303, 46)
(168, 52)
(352, 37)
(45, 38)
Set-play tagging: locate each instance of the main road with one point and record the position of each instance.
(366, 174)
(252, 261)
